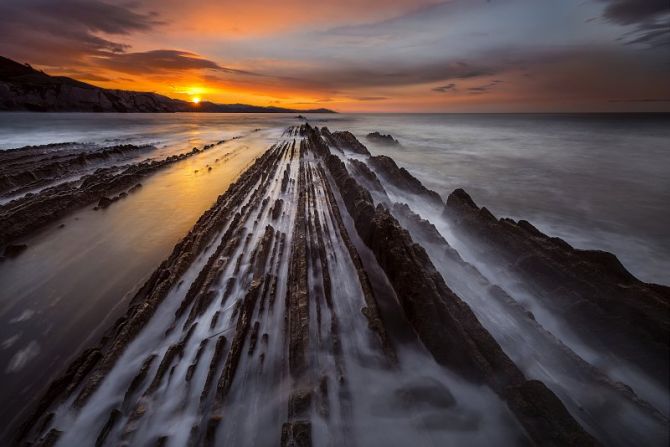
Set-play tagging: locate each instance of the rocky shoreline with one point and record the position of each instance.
(35, 166)
(253, 307)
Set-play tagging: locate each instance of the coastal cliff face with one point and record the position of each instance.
(322, 299)
(23, 88)
(62, 97)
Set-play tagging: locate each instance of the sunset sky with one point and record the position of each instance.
(373, 55)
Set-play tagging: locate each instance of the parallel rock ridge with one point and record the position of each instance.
(33, 167)
(233, 364)
(591, 289)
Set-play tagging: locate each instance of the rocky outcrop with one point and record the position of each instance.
(32, 167)
(446, 325)
(380, 138)
(363, 172)
(344, 140)
(402, 179)
(87, 371)
(591, 290)
(22, 216)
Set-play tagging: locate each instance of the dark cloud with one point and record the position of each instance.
(94, 15)
(628, 12)
(156, 61)
(649, 35)
(56, 32)
(651, 19)
(445, 88)
(478, 90)
(76, 33)
(390, 74)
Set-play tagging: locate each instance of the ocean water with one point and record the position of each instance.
(599, 181)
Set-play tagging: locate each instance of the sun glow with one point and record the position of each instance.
(196, 100)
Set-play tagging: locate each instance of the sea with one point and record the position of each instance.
(598, 181)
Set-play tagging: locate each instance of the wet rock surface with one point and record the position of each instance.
(382, 138)
(402, 179)
(344, 140)
(33, 211)
(590, 290)
(445, 324)
(32, 167)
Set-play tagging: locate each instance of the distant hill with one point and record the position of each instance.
(22, 88)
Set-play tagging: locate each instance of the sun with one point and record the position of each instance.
(196, 100)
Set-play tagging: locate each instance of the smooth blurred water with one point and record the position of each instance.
(597, 180)
(73, 282)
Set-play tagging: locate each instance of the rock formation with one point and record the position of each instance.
(292, 303)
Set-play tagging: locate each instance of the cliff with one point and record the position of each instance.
(22, 88)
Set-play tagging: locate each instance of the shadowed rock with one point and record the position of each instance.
(23, 216)
(344, 140)
(382, 139)
(402, 179)
(447, 326)
(590, 289)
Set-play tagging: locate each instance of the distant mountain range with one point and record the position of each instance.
(22, 88)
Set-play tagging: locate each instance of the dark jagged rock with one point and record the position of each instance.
(61, 386)
(299, 403)
(139, 379)
(344, 140)
(109, 425)
(444, 256)
(371, 311)
(296, 434)
(241, 332)
(285, 179)
(31, 212)
(383, 139)
(104, 202)
(297, 298)
(213, 366)
(50, 439)
(277, 209)
(447, 326)
(88, 370)
(191, 368)
(402, 179)
(369, 178)
(592, 290)
(32, 167)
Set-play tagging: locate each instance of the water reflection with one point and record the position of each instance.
(73, 281)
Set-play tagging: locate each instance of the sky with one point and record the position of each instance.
(358, 56)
